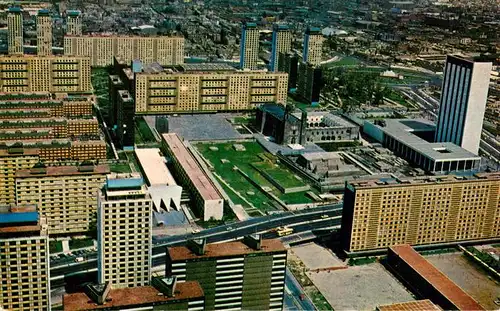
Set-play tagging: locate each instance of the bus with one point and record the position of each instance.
(282, 231)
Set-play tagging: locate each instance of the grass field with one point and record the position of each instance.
(283, 177)
(55, 247)
(120, 168)
(236, 182)
(80, 243)
(143, 132)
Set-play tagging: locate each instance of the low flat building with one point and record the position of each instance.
(427, 281)
(413, 141)
(418, 305)
(207, 200)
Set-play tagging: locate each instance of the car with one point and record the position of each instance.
(324, 216)
(229, 228)
(195, 231)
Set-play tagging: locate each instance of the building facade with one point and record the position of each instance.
(428, 210)
(249, 46)
(463, 102)
(24, 264)
(313, 46)
(11, 162)
(15, 38)
(125, 125)
(16, 129)
(57, 74)
(44, 33)
(289, 63)
(65, 195)
(281, 43)
(233, 275)
(124, 223)
(73, 23)
(310, 83)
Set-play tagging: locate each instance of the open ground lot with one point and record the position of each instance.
(360, 287)
(315, 256)
(469, 277)
(224, 158)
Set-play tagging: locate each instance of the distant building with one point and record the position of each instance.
(24, 264)
(124, 223)
(463, 102)
(125, 123)
(310, 83)
(44, 32)
(427, 281)
(249, 46)
(418, 211)
(289, 63)
(115, 84)
(248, 275)
(281, 43)
(73, 23)
(72, 207)
(15, 39)
(313, 46)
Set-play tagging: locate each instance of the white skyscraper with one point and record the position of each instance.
(463, 102)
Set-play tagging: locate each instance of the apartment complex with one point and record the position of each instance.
(206, 87)
(249, 46)
(207, 200)
(463, 102)
(313, 46)
(124, 232)
(15, 39)
(11, 162)
(45, 128)
(281, 43)
(65, 195)
(427, 210)
(24, 264)
(27, 73)
(102, 49)
(247, 275)
(44, 33)
(73, 23)
(23, 106)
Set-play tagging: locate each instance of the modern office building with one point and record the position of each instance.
(289, 63)
(463, 102)
(426, 210)
(65, 195)
(310, 83)
(205, 87)
(73, 23)
(102, 49)
(164, 294)
(313, 46)
(124, 232)
(24, 264)
(57, 74)
(281, 44)
(426, 281)
(249, 46)
(15, 38)
(248, 275)
(44, 33)
(412, 139)
(206, 197)
(125, 124)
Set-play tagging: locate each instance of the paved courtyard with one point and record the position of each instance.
(315, 256)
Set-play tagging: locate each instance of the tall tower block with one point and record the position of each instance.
(282, 43)
(44, 33)
(15, 28)
(249, 46)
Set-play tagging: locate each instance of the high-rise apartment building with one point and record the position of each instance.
(57, 74)
(15, 38)
(247, 275)
(65, 195)
(463, 101)
(426, 210)
(24, 260)
(310, 82)
(124, 232)
(103, 49)
(313, 46)
(249, 46)
(289, 63)
(11, 162)
(44, 32)
(73, 23)
(125, 125)
(281, 43)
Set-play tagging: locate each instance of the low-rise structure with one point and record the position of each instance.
(418, 305)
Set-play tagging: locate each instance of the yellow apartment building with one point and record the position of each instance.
(15, 39)
(44, 33)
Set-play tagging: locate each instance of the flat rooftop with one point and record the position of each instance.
(134, 296)
(226, 249)
(54, 171)
(458, 297)
(398, 182)
(403, 131)
(203, 67)
(419, 305)
(154, 166)
(193, 170)
(19, 220)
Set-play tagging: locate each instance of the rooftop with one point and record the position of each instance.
(15, 9)
(129, 297)
(202, 67)
(193, 170)
(311, 156)
(53, 171)
(459, 298)
(419, 305)
(124, 183)
(226, 249)
(154, 167)
(73, 12)
(16, 220)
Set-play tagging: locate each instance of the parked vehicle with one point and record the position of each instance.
(78, 259)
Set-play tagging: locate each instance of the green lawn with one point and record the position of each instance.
(144, 131)
(344, 61)
(80, 243)
(282, 176)
(120, 168)
(243, 160)
(101, 89)
(55, 247)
